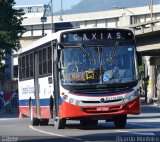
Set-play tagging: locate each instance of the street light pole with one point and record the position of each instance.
(52, 16)
(61, 12)
(151, 8)
(44, 19)
(42, 28)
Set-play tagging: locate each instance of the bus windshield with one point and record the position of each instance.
(99, 64)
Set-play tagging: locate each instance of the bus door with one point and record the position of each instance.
(36, 83)
(55, 77)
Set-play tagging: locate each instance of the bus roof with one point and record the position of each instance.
(56, 35)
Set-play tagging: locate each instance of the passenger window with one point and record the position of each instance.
(20, 67)
(40, 62)
(27, 66)
(31, 65)
(23, 68)
(44, 61)
(49, 59)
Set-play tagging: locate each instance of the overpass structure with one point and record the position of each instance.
(143, 21)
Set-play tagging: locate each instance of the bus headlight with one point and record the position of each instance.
(77, 102)
(132, 97)
(126, 100)
(71, 100)
(136, 93)
(65, 97)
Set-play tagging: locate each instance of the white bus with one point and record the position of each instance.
(80, 74)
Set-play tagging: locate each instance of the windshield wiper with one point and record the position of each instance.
(85, 53)
(113, 53)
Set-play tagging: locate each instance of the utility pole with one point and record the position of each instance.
(61, 12)
(44, 18)
(52, 16)
(151, 8)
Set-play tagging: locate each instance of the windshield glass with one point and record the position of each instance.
(114, 63)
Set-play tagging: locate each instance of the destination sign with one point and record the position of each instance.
(96, 34)
(81, 76)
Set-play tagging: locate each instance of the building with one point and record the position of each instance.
(121, 17)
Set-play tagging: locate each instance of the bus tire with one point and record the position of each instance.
(120, 121)
(33, 121)
(44, 122)
(51, 107)
(59, 123)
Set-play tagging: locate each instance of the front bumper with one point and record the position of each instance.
(67, 110)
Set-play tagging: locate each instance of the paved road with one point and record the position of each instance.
(145, 127)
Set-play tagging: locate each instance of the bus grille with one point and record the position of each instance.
(107, 101)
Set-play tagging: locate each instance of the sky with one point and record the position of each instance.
(67, 4)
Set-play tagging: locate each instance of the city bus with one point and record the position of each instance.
(73, 75)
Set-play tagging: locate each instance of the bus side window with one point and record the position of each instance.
(31, 65)
(27, 66)
(49, 59)
(40, 62)
(20, 67)
(44, 61)
(23, 67)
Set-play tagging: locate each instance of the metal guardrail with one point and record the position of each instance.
(56, 26)
(139, 28)
(145, 25)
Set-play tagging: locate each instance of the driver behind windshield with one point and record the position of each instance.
(116, 67)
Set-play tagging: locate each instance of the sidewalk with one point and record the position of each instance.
(149, 108)
(144, 103)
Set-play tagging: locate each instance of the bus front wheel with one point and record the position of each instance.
(120, 121)
(59, 123)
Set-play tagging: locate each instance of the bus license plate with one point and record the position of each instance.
(102, 108)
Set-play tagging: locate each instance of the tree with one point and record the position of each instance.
(10, 30)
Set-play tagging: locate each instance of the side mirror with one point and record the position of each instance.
(139, 59)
